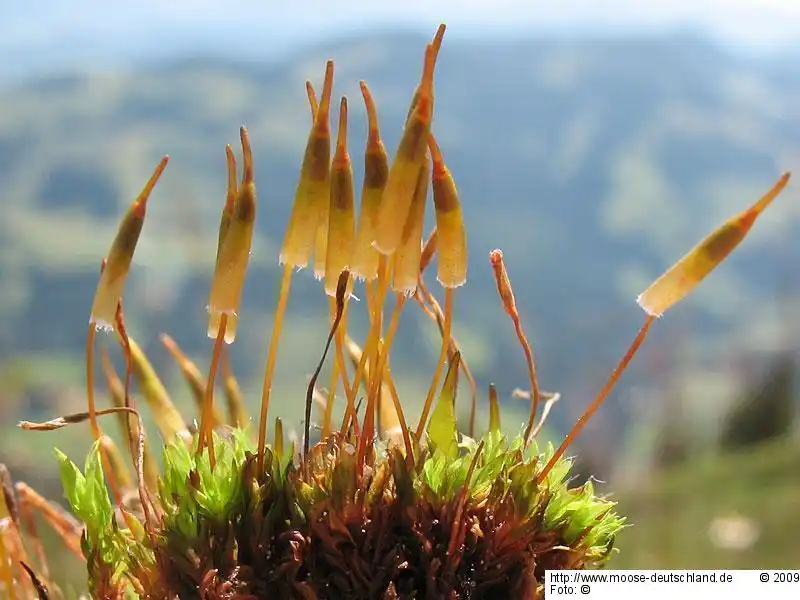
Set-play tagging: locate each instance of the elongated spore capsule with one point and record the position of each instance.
(234, 256)
(341, 227)
(686, 274)
(112, 279)
(401, 184)
(408, 256)
(224, 224)
(376, 172)
(452, 242)
(312, 195)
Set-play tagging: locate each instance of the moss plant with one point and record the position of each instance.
(373, 508)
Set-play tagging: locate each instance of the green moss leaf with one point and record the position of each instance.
(87, 494)
(71, 479)
(96, 491)
(442, 426)
(494, 410)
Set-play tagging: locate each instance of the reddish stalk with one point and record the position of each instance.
(341, 291)
(370, 345)
(599, 399)
(272, 355)
(95, 426)
(434, 312)
(59, 519)
(448, 323)
(506, 293)
(401, 418)
(368, 429)
(205, 435)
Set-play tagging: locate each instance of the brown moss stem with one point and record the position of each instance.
(458, 525)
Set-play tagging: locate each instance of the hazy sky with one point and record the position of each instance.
(760, 21)
(43, 33)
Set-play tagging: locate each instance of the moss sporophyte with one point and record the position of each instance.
(375, 507)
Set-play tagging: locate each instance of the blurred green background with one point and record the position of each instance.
(593, 156)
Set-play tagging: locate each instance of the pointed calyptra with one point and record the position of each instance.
(376, 171)
(112, 280)
(403, 174)
(685, 275)
(452, 242)
(224, 224)
(506, 293)
(504, 289)
(229, 275)
(312, 196)
(407, 258)
(341, 224)
(312, 101)
(437, 45)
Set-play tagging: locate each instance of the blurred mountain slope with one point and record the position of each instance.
(593, 165)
